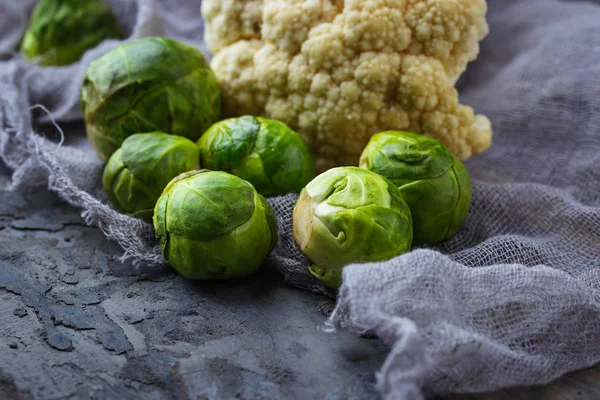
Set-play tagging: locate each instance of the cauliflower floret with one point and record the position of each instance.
(338, 71)
(449, 30)
(371, 25)
(228, 21)
(288, 22)
(237, 74)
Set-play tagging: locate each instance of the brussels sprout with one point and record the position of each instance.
(61, 31)
(433, 181)
(146, 85)
(137, 173)
(350, 215)
(214, 225)
(265, 152)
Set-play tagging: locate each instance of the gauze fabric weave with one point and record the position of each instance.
(512, 299)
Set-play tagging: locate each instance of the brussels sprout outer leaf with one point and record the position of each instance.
(148, 84)
(127, 193)
(112, 170)
(465, 196)
(229, 146)
(264, 152)
(226, 143)
(329, 276)
(231, 256)
(272, 221)
(104, 145)
(194, 103)
(371, 233)
(350, 187)
(403, 157)
(209, 205)
(137, 173)
(287, 160)
(61, 31)
(156, 158)
(154, 60)
(350, 215)
(432, 180)
(252, 170)
(160, 221)
(225, 254)
(432, 202)
(133, 195)
(302, 219)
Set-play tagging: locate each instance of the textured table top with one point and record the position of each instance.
(77, 323)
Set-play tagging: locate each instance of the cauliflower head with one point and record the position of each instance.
(338, 71)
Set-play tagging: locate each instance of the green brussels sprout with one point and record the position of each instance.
(433, 181)
(61, 31)
(350, 215)
(265, 152)
(137, 173)
(146, 85)
(214, 226)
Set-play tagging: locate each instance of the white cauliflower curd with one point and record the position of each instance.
(339, 71)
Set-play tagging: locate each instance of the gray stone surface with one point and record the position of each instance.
(77, 323)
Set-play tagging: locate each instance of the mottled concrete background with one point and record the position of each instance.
(76, 323)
